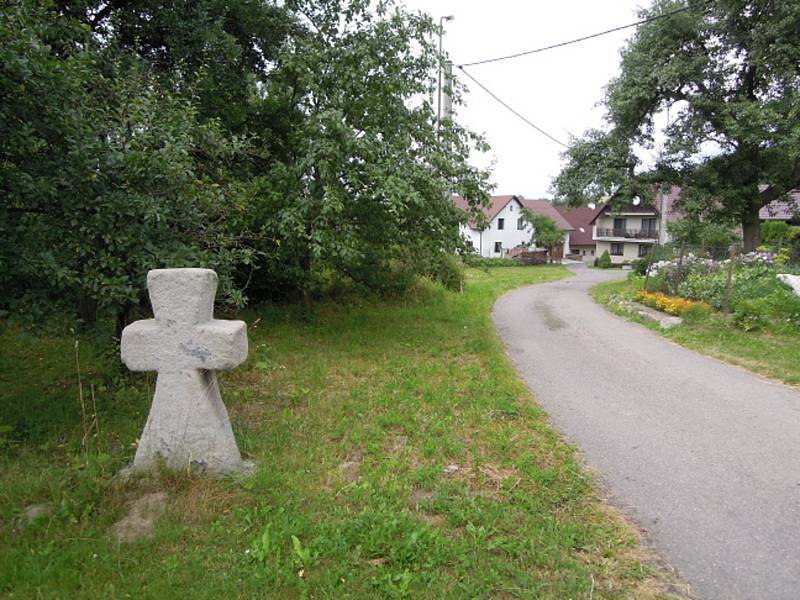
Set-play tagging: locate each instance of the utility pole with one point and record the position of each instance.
(439, 86)
(447, 91)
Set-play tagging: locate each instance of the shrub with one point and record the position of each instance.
(447, 270)
(709, 288)
(604, 262)
(481, 262)
(774, 233)
(779, 309)
(639, 266)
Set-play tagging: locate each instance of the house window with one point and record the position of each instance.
(498, 247)
(592, 251)
(644, 249)
(617, 249)
(649, 225)
(620, 225)
(501, 223)
(520, 223)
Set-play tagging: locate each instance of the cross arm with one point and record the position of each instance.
(155, 345)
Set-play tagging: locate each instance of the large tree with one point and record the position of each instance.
(103, 174)
(273, 141)
(728, 72)
(365, 177)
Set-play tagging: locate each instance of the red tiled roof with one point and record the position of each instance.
(581, 221)
(544, 207)
(496, 204)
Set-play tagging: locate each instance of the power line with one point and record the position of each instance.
(493, 95)
(587, 37)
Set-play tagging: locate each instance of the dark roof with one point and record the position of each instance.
(544, 207)
(782, 210)
(581, 221)
(496, 204)
(630, 208)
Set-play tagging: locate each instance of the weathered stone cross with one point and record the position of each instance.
(188, 424)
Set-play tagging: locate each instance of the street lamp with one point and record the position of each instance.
(439, 86)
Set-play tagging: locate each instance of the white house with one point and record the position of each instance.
(505, 227)
(628, 231)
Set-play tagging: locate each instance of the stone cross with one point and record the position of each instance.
(188, 424)
(793, 281)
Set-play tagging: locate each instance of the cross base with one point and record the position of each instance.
(188, 426)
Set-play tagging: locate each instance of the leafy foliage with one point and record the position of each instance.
(727, 70)
(776, 232)
(105, 176)
(545, 231)
(274, 143)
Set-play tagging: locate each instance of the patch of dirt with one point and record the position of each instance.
(34, 512)
(433, 520)
(204, 500)
(420, 497)
(496, 475)
(350, 469)
(141, 518)
(399, 442)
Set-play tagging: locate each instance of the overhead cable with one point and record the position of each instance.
(587, 37)
(512, 110)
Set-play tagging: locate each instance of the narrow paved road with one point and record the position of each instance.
(704, 456)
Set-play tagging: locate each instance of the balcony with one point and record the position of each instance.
(627, 234)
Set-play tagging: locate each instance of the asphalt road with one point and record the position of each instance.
(704, 456)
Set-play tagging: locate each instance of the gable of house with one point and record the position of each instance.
(496, 204)
(544, 207)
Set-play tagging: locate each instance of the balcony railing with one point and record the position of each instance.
(631, 234)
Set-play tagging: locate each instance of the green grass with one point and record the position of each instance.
(352, 416)
(773, 354)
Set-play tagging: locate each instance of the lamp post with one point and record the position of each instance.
(439, 86)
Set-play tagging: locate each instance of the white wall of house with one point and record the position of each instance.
(510, 236)
(630, 250)
(586, 253)
(632, 223)
(621, 248)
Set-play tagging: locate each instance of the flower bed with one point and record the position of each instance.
(671, 304)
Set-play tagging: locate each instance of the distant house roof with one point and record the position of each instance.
(544, 207)
(581, 221)
(496, 204)
(782, 210)
(672, 212)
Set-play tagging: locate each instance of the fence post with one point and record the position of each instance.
(678, 274)
(726, 306)
(649, 264)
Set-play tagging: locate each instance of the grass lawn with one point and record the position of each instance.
(398, 456)
(773, 354)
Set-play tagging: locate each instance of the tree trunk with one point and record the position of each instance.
(124, 318)
(87, 309)
(751, 228)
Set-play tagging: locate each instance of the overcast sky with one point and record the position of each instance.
(557, 90)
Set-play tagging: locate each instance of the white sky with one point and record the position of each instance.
(558, 90)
